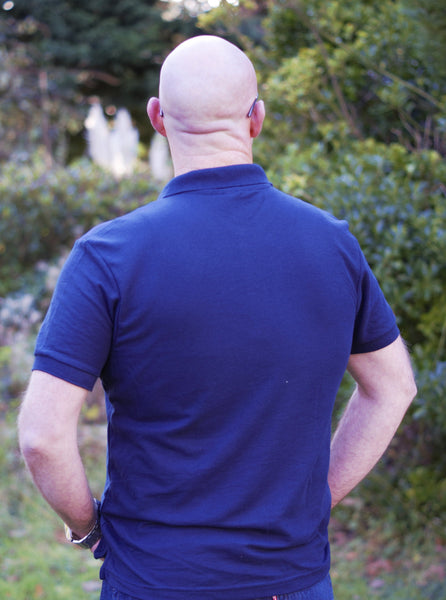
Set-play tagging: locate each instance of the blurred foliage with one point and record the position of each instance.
(355, 94)
(430, 35)
(352, 69)
(43, 211)
(120, 44)
(38, 103)
(55, 55)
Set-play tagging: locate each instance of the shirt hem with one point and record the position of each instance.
(288, 586)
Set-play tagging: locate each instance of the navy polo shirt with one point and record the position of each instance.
(220, 318)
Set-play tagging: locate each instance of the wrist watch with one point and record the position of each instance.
(92, 537)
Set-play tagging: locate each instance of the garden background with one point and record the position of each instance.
(355, 92)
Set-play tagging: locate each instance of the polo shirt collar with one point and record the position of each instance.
(216, 178)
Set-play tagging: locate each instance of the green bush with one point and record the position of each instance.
(42, 212)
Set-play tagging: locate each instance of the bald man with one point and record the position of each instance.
(221, 319)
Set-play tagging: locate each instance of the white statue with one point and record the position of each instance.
(113, 148)
(98, 136)
(123, 144)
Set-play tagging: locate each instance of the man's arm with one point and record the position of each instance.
(48, 441)
(385, 388)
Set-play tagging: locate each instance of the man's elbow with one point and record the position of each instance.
(408, 389)
(36, 441)
(33, 445)
(413, 390)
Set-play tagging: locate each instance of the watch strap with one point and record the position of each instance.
(92, 537)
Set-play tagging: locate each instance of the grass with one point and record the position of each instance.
(375, 566)
(36, 563)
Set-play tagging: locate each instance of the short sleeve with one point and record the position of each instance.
(375, 324)
(75, 338)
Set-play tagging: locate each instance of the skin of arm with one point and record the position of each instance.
(385, 388)
(48, 441)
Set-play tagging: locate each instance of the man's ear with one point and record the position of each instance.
(257, 118)
(155, 115)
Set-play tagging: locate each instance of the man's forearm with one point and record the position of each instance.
(385, 389)
(60, 477)
(48, 440)
(357, 445)
(363, 434)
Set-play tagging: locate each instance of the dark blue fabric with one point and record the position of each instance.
(322, 590)
(221, 318)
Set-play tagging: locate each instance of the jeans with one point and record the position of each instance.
(321, 591)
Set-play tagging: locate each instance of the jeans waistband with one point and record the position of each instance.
(322, 590)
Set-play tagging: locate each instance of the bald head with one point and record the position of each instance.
(207, 86)
(207, 78)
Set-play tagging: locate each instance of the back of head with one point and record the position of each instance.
(207, 84)
(207, 89)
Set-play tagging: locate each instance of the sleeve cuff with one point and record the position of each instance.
(378, 343)
(69, 373)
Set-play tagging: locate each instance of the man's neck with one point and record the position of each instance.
(221, 149)
(223, 159)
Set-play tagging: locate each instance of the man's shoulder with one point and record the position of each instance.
(132, 223)
(307, 212)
